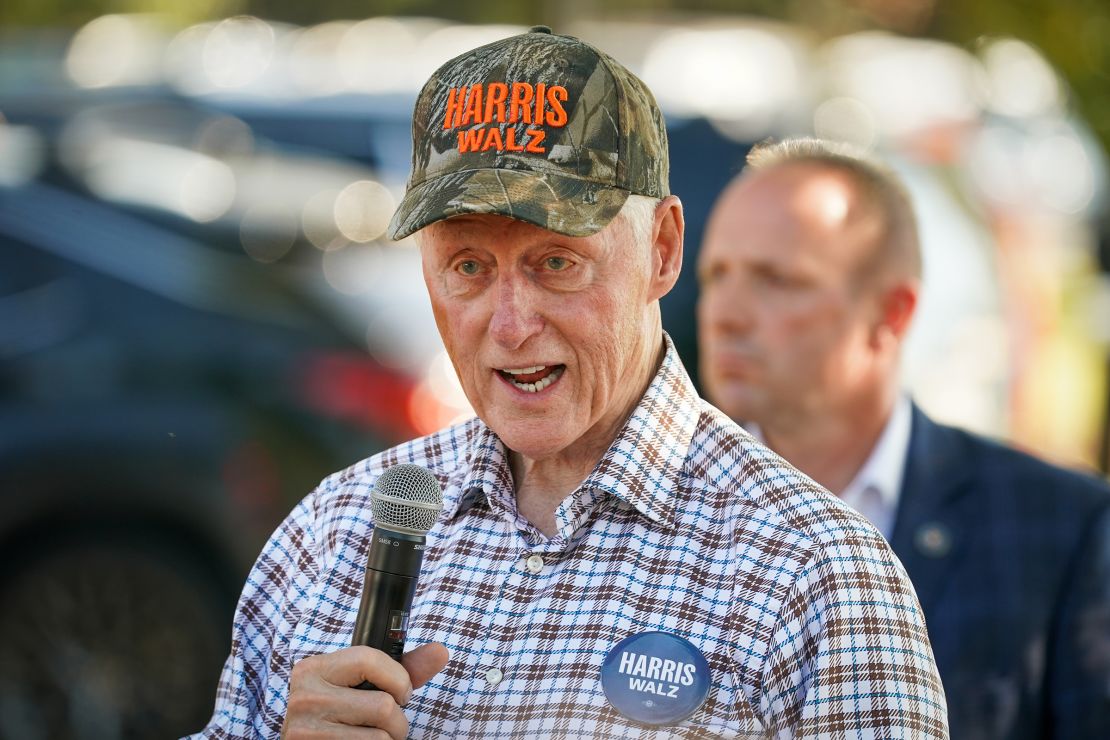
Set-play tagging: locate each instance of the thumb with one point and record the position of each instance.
(425, 662)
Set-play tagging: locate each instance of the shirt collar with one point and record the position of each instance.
(488, 471)
(885, 466)
(645, 461)
(641, 467)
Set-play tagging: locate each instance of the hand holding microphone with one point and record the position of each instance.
(324, 689)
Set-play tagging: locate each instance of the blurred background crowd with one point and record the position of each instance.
(200, 316)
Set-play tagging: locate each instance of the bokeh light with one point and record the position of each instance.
(363, 209)
(318, 220)
(237, 51)
(376, 56)
(745, 77)
(846, 119)
(157, 175)
(1019, 80)
(22, 153)
(116, 50)
(907, 84)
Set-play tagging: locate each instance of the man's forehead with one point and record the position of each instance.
(788, 201)
(804, 183)
(799, 212)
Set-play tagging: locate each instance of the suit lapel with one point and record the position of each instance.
(930, 528)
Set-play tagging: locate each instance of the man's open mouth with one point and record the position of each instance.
(532, 379)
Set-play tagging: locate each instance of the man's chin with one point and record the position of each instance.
(535, 452)
(535, 439)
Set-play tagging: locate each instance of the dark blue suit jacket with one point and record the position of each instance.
(1010, 557)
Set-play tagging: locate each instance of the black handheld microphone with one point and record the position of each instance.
(405, 503)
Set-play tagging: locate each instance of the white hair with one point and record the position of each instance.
(639, 213)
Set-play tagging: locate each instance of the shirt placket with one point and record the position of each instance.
(493, 672)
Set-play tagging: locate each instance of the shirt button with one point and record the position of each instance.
(494, 676)
(534, 563)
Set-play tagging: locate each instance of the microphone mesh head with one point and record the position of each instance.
(406, 498)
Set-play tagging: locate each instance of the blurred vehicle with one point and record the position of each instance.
(163, 403)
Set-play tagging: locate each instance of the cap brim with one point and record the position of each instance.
(564, 205)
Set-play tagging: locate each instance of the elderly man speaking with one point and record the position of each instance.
(615, 557)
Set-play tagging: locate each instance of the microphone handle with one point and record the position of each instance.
(387, 595)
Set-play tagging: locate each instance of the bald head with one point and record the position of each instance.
(874, 194)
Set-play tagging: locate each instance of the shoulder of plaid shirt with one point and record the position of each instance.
(688, 526)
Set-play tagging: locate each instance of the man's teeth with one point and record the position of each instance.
(524, 370)
(538, 385)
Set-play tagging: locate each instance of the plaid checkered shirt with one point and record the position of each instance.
(687, 526)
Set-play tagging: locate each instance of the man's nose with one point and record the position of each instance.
(515, 318)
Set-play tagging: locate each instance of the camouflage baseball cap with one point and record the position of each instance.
(537, 127)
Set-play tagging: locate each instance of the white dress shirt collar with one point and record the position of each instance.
(875, 489)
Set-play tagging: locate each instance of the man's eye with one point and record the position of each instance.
(468, 267)
(777, 279)
(557, 263)
(710, 276)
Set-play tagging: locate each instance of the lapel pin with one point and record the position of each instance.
(933, 540)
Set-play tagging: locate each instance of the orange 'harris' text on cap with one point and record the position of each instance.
(479, 105)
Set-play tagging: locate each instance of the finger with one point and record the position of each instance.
(351, 666)
(360, 733)
(336, 732)
(425, 662)
(316, 706)
(371, 709)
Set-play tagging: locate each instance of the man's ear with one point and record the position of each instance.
(897, 304)
(666, 252)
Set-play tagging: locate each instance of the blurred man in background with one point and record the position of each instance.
(614, 554)
(809, 274)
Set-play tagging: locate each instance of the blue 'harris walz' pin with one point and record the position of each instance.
(655, 677)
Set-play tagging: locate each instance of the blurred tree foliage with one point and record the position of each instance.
(1073, 34)
(75, 13)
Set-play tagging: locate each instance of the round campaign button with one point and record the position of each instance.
(655, 677)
